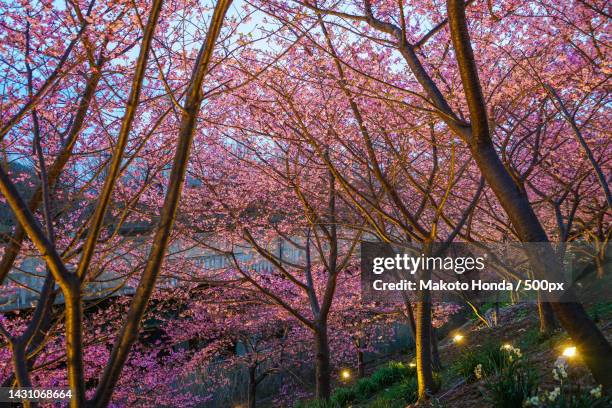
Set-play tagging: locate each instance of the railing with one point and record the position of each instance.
(28, 279)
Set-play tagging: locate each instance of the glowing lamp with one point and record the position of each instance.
(412, 364)
(570, 351)
(507, 346)
(458, 338)
(345, 374)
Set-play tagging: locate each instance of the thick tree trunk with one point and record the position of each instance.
(423, 346)
(322, 364)
(595, 349)
(252, 393)
(74, 343)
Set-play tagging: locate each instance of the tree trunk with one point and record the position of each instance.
(596, 351)
(423, 346)
(322, 364)
(74, 343)
(410, 314)
(360, 362)
(496, 312)
(600, 263)
(436, 363)
(21, 367)
(252, 386)
(547, 318)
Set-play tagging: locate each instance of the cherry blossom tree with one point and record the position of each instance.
(410, 30)
(138, 138)
(70, 282)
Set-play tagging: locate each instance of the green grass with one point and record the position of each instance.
(394, 376)
(396, 396)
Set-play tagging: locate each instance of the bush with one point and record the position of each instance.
(344, 396)
(513, 385)
(490, 357)
(364, 388)
(381, 378)
(390, 374)
(397, 395)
